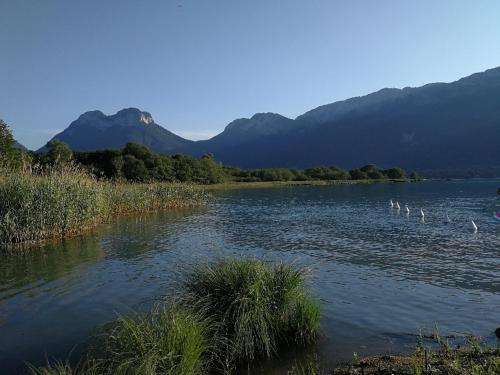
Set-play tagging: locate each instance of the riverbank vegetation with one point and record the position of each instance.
(138, 163)
(473, 359)
(226, 314)
(60, 202)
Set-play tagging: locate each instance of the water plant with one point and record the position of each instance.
(169, 340)
(61, 202)
(254, 306)
(227, 313)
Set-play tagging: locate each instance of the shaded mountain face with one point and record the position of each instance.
(245, 137)
(19, 146)
(437, 127)
(94, 131)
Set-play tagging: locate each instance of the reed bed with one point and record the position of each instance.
(61, 203)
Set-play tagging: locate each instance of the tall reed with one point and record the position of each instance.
(60, 203)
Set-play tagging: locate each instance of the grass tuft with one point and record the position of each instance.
(169, 340)
(255, 306)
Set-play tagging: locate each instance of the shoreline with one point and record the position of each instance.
(277, 184)
(474, 359)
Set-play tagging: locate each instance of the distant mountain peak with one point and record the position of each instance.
(94, 130)
(125, 117)
(264, 122)
(131, 115)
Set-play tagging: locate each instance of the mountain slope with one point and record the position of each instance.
(436, 127)
(245, 137)
(94, 130)
(19, 146)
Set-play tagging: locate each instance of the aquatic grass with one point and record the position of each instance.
(63, 202)
(255, 306)
(227, 313)
(169, 340)
(87, 367)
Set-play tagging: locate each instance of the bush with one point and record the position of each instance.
(255, 306)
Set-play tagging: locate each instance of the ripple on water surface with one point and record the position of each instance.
(379, 273)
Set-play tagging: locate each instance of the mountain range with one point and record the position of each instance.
(439, 128)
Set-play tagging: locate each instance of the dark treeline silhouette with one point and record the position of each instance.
(138, 163)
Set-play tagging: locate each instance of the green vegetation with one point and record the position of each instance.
(255, 306)
(139, 164)
(473, 359)
(226, 314)
(59, 202)
(10, 157)
(169, 340)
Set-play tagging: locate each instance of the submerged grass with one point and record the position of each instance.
(255, 306)
(61, 203)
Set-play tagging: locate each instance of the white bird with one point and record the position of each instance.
(422, 215)
(447, 218)
(407, 210)
(397, 206)
(473, 225)
(391, 203)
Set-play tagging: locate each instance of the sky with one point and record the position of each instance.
(198, 65)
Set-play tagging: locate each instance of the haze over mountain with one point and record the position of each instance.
(436, 128)
(94, 130)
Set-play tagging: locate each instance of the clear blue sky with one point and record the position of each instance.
(197, 65)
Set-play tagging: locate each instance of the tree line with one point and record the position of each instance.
(137, 163)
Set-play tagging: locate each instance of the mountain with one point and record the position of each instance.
(437, 128)
(245, 137)
(19, 146)
(94, 130)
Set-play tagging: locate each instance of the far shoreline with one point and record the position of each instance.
(276, 184)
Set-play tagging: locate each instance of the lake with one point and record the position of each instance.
(380, 275)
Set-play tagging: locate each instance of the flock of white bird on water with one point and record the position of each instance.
(406, 210)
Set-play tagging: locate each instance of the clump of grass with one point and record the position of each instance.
(169, 340)
(232, 312)
(63, 202)
(255, 306)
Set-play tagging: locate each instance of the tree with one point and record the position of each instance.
(414, 176)
(134, 169)
(395, 173)
(357, 174)
(58, 153)
(7, 149)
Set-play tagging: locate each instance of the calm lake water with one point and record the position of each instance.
(379, 274)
